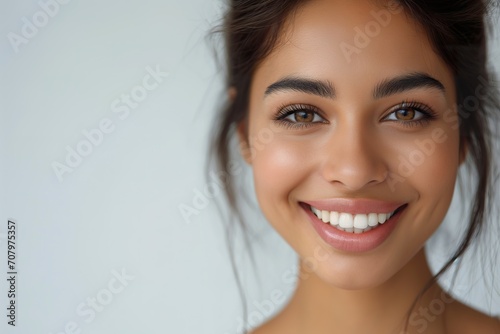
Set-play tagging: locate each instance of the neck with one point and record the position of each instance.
(318, 307)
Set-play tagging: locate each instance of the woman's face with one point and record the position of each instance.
(353, 114)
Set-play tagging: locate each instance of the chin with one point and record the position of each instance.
(352, 278)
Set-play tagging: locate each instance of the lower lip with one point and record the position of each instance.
(353, 242)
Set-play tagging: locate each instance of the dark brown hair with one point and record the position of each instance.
(457, 30)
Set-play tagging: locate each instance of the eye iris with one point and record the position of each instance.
(405, 114)
(304, 116)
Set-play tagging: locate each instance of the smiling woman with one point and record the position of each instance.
(365, 151)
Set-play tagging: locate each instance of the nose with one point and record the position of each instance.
(354, 159)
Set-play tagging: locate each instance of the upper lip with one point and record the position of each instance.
(355, 206)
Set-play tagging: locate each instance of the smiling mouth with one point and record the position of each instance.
(354, 223)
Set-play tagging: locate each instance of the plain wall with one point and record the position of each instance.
(108, 230)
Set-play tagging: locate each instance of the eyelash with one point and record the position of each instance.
(428, 114)
(286, 110)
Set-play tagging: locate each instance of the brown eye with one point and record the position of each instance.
(304, 116)
(406, 114)
(299, 115)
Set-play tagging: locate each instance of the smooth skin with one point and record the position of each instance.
(353, 144)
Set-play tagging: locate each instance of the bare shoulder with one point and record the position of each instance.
(463, 319)
(460, 319)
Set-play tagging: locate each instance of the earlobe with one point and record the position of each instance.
(231, 93)
(245, 149)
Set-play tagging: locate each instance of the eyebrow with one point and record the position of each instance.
(316, 87)
(386, 87)
(406, 82)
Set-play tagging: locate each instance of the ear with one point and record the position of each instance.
(242, 131)
(231, 93)
(245, 148)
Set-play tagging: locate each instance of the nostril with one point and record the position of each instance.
(355, 173)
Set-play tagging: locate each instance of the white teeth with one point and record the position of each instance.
(346, 220)
(325, 216)
(353, 229)
(361, 221)
(353, 223)
(315, 211)
(334, 218)
(372, 219)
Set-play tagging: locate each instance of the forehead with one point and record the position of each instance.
(351, 42)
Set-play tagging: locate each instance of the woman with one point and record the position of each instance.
(355, 117)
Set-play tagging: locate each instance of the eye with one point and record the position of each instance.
(303, 116)
(407, 114)
(411, 113)
(299, 115)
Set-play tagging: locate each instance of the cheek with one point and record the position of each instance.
(281, 171)
(428, 167)
(430, 163)
(278, 168)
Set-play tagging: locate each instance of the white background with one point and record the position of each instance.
(118, 210)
